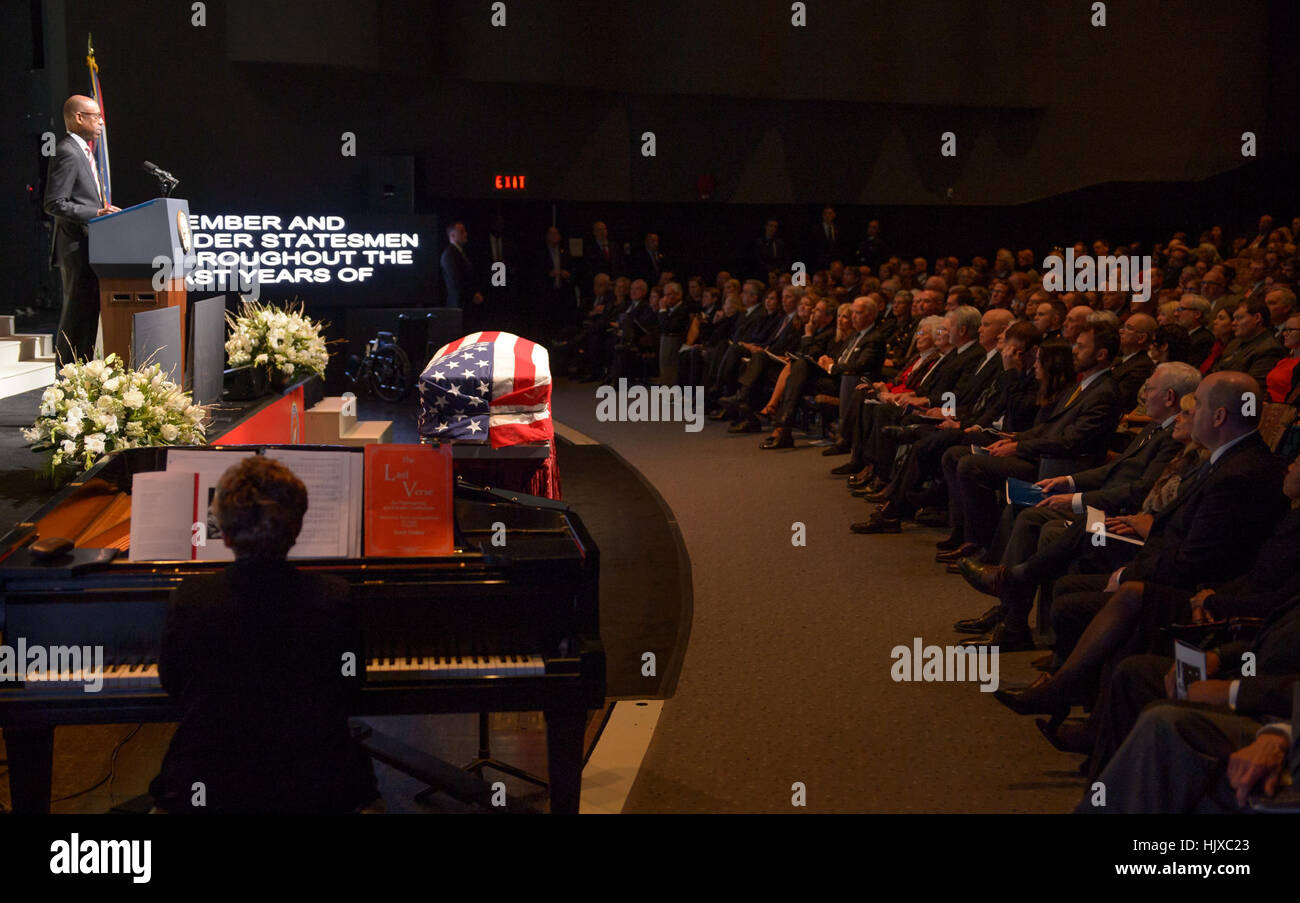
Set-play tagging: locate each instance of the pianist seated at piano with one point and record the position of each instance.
(254, 656)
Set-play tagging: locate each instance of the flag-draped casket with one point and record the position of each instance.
(491, 387)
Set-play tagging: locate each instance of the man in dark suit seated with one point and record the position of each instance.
(957, 383)
(1007, 404)
(1271, 582)
(861, 357)
(1194, 316)
(73, 196)
(858, 420)
(760, 371)
(1034, 553)
(1079, 426)
(1208, 534)
(1229, 739)
(1133, 365)
(635, 341)
(257, 658)
(1253, 350)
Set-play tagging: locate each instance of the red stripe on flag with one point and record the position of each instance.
(525, 371)
(518, 433)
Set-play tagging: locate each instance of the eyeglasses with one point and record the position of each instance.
(91, 115)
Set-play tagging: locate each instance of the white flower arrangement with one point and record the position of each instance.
(99, 406)
(279, 339)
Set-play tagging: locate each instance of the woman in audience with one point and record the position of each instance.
(843, 329)
(1283, 379)
(1170, 344)
(1054, 369)
(693, 361)
(1221, 326)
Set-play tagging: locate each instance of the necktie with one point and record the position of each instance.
(1074, 395)
(94, 172)
(848, 352)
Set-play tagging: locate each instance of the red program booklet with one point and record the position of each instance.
(408, 500)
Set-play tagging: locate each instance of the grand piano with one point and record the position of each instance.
(484, 629)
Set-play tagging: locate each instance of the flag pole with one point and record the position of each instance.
(101, 144)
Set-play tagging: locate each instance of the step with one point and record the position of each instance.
(6, 324)
(328, 420)
(42, 343)
(25, 376)
(367, 432)
(11, 350)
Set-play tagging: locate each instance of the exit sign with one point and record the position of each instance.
(508, 183)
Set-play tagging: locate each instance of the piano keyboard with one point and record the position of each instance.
(115, 677)
(145, 676)
(416, 668)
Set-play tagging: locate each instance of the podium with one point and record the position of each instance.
(123, 248)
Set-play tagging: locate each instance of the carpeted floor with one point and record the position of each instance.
(787, 675)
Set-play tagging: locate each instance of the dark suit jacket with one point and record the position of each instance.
(482, 260)
(1073, 430)
(72, 198)
(1120, 486)
(1221, 515)
(675, 320)
(817, 344)
(458, 277)
(254, 656)
(547, 282)
(826, 250)
(786, 337)
(1277, 664)
(954, 373)
(867, 356)
(769, 254)
(643, 266)
(1274, 578)
(1130, 375)
(1255, 356)
(981, 377)
(597, 262)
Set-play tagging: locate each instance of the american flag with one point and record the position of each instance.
(487, 386)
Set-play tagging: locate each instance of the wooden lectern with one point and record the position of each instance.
(123, 248)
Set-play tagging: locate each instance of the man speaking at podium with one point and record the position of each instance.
(73, 196)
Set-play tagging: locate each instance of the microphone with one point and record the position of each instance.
(161, 174)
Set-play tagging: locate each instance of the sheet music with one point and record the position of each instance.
(162, 506)
(327, 527)
(209, 465)
(357, 472)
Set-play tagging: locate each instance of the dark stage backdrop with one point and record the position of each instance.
(249, 111)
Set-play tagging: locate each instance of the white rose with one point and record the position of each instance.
(110, 423)
(133, 398)
(170, 432)
(112, 384)
(134, 428)
(95, 443)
